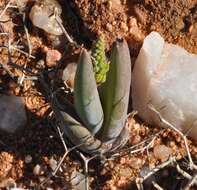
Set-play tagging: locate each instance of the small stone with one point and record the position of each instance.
(49, 188)
(40, 64)
(135, 163)
(123, 26)
(191, 28)
(52, 56)
(42, 15)
(37, 170)
(68, 75)
(132, 22)
(109, 27)
(53, 164)
(114, 23)
(13, 114)
(28, 159)
(162, 152)
(125, 172)
(78, 180)
(135, 139)
(180, 24)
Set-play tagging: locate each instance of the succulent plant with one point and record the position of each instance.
(97, 119)
(100, 63)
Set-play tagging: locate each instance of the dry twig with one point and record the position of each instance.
(151, 107)
(147, 143)
(184, 173)
(57, 18)
(67, 151)
(5, 9)
(171, 160)
(139, 183)
(140, 180)
(27, 35)
(157, 186)
(191, 182)
(86, 162)
(12, 47)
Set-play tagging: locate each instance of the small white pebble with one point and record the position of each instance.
(28, 159)
(49, 188)
(53, 164)
(41, 15)
(37, 170)
(109, 27)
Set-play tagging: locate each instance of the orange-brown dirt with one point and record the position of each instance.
(84, 20)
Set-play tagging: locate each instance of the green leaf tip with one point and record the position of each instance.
(100, 63)
(86, 98)
(115, 91)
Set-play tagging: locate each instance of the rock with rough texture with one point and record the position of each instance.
(165, 75)
(42, 15)
(68, 75)
(78, 180)
(52, 57)
(13, 115)
(162, 152)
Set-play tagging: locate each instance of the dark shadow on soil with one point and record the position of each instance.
(75, 25)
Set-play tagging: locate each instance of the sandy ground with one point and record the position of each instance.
(40, 143)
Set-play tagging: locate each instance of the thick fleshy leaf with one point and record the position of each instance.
(73, 129)
(86, 97)
(79, 135)
(115, 91)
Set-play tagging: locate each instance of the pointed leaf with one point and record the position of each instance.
(73, 129)
(115, 91)
(86, 97)
(79, 135)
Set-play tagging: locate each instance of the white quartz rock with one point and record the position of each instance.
(165, 75)
(42, 16)
(12, 114)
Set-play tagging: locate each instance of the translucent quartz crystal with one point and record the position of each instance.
(42, 16)
(165, 75)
